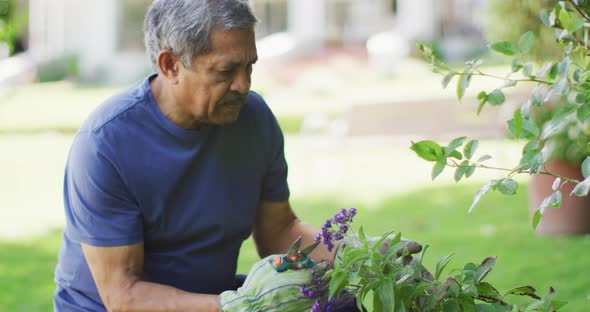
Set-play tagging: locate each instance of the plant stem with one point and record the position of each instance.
(574, 181)
(584, 15)
(479, 73)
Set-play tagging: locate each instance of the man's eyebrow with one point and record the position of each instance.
(235, 64)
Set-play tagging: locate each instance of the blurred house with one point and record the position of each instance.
(106, 36)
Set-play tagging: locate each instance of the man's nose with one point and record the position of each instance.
(241, 83)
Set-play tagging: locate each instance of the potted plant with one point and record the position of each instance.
(570, 144)
(554, 121)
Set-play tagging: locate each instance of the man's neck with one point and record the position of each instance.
(168, 106)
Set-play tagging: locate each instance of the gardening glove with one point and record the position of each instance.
(265, 289)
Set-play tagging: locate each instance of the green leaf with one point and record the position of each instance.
(485, 189)
(337, 283)
(482, 102)
(534, 145)
(537, 99)
(386, 295)
(517, 123)
(441, 264)
(564, 66)
(544, 205)
(582, 188)
(507, 186)
(550, 128)
(556, 184)
(447, 79)
(460, 171)
(485, 288)
(454, 144)
(586, 167)
(523, 291)
(361, 235)
(528, 70)
(577, 75)
(543, 71)
(517, 65)
(462, 85)
(470, 171)
(470, 148)
(526, 41)
(484, 268)
(546, 19)
(583, 113)
(529, 128)
(553, 72)
(456, 154)
(496, 97)
(575, 25)
(555, 199)
(564, 18)
(536, 219)
(438, 168)
(504, 47)
(428, 150)
(484, 158)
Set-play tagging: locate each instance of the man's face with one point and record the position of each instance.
(215, 88)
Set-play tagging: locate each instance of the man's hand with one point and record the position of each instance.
(265, 289)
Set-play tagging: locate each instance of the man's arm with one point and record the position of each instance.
(277, 227)
(118, 273)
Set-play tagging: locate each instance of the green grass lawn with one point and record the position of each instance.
(438, 217)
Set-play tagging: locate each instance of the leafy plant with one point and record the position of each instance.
(554, 121)
(524, 16)
(382, 268)
(11, 23)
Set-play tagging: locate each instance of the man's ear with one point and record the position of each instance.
(169, 66)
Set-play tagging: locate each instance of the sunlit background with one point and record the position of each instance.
(350, 92)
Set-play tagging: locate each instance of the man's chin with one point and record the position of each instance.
(226, 119)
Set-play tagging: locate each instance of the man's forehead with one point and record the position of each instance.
(232, 46)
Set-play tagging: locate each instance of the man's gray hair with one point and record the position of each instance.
(184, 26)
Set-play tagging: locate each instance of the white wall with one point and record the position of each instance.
(47, 28)
(417, 19)
(98, 31)
(306, 20)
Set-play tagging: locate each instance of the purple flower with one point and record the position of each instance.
(317, 237)
(343, 228)
(317, 306)
(352, 212)
(340, 218)
(307, 292)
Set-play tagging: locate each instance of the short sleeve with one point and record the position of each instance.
(275, 187)
(100, 210)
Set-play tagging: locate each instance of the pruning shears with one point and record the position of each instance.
(295, 259)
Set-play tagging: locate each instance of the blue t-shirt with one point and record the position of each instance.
(191, 196)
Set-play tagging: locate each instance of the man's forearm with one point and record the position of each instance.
(146, 296)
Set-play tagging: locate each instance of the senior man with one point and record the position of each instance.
(165, 180)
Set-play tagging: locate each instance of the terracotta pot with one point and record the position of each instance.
(574, 215)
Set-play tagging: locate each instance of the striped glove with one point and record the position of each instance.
(265, 289)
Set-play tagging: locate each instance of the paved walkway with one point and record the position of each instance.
(337, 85)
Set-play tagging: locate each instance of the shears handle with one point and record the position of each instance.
(307, 263)
(281, 264)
